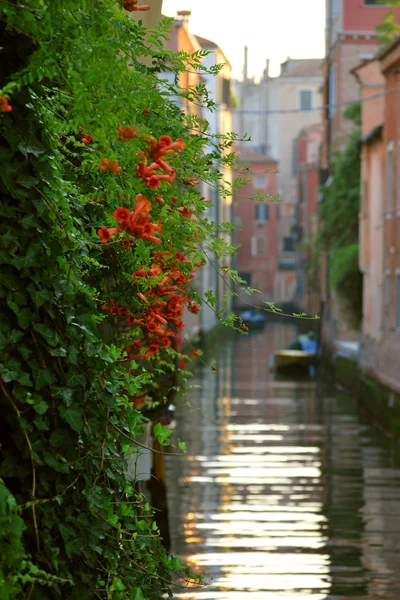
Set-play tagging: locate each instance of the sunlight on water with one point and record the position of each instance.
(284, 493)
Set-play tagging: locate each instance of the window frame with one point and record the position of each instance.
(376, 4)
(311, 92)
(397, 300)
(332, 91)
(258, 185)
(288, 237)
(389, 180)
(397, 178)
(386, 301)
(260, 218)
(254, 246)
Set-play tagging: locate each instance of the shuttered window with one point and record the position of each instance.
(262, 212)
(397, 301)
(389, 180)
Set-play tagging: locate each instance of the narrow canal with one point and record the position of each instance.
(286, 491)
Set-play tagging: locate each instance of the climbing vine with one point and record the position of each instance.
(338, 232)
(102, 231)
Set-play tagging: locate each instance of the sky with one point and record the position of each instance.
(273, 29)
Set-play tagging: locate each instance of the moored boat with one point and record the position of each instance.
(293, 358)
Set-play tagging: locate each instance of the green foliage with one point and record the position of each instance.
(339, 210)
(389, 29)
(72, 523)
(346, 279)
(338, 213)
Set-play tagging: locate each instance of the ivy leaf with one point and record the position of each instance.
(27, 181)
(73, 416)
(76, 379)
(59, 437)
(47, 332)
(137, 594)
(25, 317)
(55, 463)
(112, 519)
(29, 221)
(65, 393)
(9, 279)
(162, 435)
(39, 296)
(41, 375)
(41, 407)
(35, 148)
(117, 585)
(176, 564)
(15, 336)
(16, 525)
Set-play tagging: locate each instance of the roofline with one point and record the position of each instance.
(215, 46)
(385, 51)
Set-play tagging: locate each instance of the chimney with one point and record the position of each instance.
(245, 66)
(184, 16)
(266, 70)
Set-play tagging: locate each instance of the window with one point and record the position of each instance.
(258, 245)
(335, 8)
(305, 99)
(386, 302)
(332, 91)
(398, 300)
(398, 178)
(262, 212)
(288, 245)
(226, 91)
(246, 277)
(295, 157)
(389, 180)
(260, 181)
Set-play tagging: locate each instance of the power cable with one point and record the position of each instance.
(317, 108)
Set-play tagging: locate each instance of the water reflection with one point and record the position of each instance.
(284, 493)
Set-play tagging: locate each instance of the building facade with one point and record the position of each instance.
(273, 112)
(257, 261)
(350, 38)
(220, 123)
(380, 215)
(308, 280)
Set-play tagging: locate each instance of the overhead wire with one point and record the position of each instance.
(316, 108)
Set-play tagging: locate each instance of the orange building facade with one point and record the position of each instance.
(380, 216)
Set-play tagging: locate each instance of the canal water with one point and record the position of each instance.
(287, 491)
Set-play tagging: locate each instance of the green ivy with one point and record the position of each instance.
(72, 524)
(339, 225)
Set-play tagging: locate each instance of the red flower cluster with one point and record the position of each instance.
(4, 106)
(126, 133)
(137, 223)
(131, 5)
(163, 304)
(86, 139)
(156, 152)
(191, 181)
(110, 165)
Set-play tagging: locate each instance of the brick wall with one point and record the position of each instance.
(262, 267)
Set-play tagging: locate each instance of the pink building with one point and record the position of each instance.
(350, 39)
(257, 260)
(380, 215)
(308, 148)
